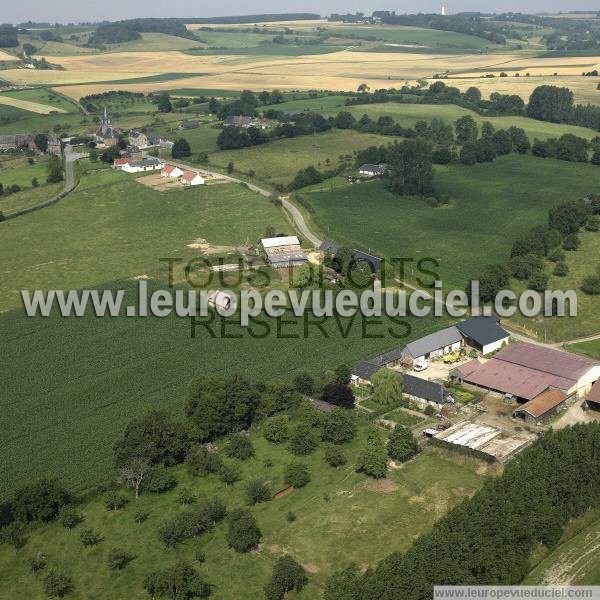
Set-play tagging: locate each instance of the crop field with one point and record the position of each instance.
(516, 191)
(574, 562)
(280, 160)
(389, 515)
(28, 105)
(44, 97)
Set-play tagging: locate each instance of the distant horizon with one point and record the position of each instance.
(112, 10)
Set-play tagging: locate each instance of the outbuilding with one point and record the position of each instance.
(284, 251)
(542, 407)
(422, 390)
(369, 170)
(484, 333)
(146, 164)
(434, 345)
(171, 171)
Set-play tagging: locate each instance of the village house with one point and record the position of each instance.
(171, 171)
(192, 178)
(139, 166)
(119, 163)
(189, 125)
(138, 139)
(421, 390)
(283, 251)
(368, 170)
(159, 141)
(16, 141)
(238, 121)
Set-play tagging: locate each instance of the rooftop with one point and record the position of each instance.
(277, 242)
(543, 403)
(433, 341)
(483, 330)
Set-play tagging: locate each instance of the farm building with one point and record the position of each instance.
(189, 125)
(484, 440)
(484, 334)
(422, 390)
(593, 399)
(362, 372)
(161, 141)
(171, 171)
(434, 345)
(139, 166)
(542, 407)
(526, 370)
(139, 139)
(12, 142)
(238, 121)
(191, 178)
(368, 170)
(374, 262)
(283, 251)
(461, 373)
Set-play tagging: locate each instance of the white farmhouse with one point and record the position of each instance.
(171, 171)
(190, 178)
(146, 164)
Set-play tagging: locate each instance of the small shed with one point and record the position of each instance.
(171, 171)
(191, 178)
(423, 390)
(542, 407)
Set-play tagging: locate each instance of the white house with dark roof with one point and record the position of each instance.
(146, 164)
(484, 333)
(368, 170)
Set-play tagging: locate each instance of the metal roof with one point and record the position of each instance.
(434, 341)
(426, 390)
(290, 240)
(542, 404)
(365, 369)
(483, 330)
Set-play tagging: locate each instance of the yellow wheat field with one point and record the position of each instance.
(36, 107)
(344, 71)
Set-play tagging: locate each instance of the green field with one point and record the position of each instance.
(591, 348)
(280, 160)
(43, 96)
(386, 516)
(201, 139)
(315, 104)
(155, 42)
(491, 205)
(20, 172)
(13, 113)
(233, 39)
(418, 36)
(272, 50)
(72, 391)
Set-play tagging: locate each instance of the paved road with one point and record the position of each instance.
(70, 159)
(294, 213)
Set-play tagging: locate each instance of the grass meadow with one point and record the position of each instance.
(341, 517)
(280, 160)
(43, 96)
(491, 205)
(591, 348)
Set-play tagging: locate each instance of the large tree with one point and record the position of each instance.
(288, 575)
(550, 103)
(373, 459)
(243, 533)
(387, 387)
(402, 444)
(411, 168)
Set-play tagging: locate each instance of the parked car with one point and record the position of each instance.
(420, 365)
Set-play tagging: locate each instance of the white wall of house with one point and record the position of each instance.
(176, 173)
(198, 180)
(494, 346)
(585, 383)
(129, 169)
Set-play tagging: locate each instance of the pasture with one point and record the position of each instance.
(19, 172)
(45, 98)
(32, 107)
(464, 236)
(591, 348)
(278, 162)
(341, 517)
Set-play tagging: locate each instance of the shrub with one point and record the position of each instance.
(276, 430)
(239, 446)
(402, 445)
(288, 575)
(303, 439)
(199, 555)
(13, 534)
(214, 509)
(114, 501)
(430, 410)
(561, 269)
(243, 533)
(373, 459)
(140, 516)
(57, 584)
(89, 538)
(256, 490)
(296, 474)
(571, 242)
(338, 394)
(290, 517)
(69, 517)
(118, 559)
(591, 285)
(186, 496)
(539, 282)
(39, 501)
(304, 383)
(334, 456)
(229, 473)
(159, 480)
(201, 462)
(593, 223)
(38, 562)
